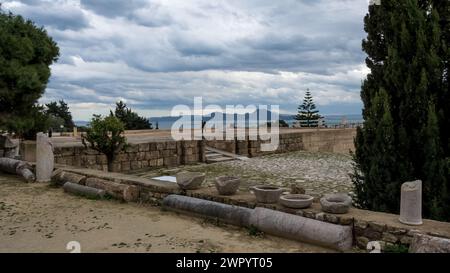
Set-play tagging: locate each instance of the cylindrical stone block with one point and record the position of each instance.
(83, 190)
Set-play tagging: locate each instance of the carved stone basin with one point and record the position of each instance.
(227, 185)
(266, 194)
(296, 201)
(336, 203)
(190, 180)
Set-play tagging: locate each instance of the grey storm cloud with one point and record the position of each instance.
(155, 54)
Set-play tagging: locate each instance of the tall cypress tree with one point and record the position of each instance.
(405, 135)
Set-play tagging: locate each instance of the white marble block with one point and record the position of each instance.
(44, 158)
(411, 203)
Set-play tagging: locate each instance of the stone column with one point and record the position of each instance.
(411, 203)
(44, 158)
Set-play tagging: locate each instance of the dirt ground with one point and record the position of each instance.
(40, 218)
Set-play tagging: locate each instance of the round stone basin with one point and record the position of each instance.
(296, 201)
(266, 194)
(190, 180)
(336, 203)
(227, 185)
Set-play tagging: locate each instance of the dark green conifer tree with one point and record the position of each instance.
(405, 134)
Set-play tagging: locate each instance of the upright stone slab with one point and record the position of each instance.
(44, 158)
(411, 203)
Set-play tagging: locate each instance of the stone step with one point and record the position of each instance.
(212, 155)
(218, 159)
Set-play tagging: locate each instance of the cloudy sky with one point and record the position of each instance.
(155, 54)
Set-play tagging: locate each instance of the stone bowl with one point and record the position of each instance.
(337, 203)
(227, 185)
(190, 180)
(296, 201)
(267, 194)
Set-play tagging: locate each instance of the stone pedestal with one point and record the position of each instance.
(411, 203)
(27, 150)
(44, 158)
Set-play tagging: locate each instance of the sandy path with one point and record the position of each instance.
(39, 218)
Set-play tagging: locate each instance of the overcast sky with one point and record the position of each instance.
(155, 54)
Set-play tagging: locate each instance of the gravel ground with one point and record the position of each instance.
(317, 173)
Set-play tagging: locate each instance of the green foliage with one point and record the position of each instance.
(406, 133)
(254, 231)
(307, 113)
(105, 135)
(396, 248)
(130, 119)
(26, 52)
(61, 111)
(28, 126)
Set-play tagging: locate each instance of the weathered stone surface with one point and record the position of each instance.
(266, 194)
(336, 203)
(14, 166)
(429, 244)
(44, 158)
(411, 203)
(25, 170)
(7, 147)
(119, 191)
(362, 242)
(390, 238)
(302, 229)
(297, 201)
(227, 185)
(83, 190)
(190, 180)
(60, 177)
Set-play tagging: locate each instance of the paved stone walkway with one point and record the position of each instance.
(317, 173)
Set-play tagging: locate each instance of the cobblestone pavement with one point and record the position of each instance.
(317, 173)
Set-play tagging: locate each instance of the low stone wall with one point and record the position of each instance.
(333, 141)
(366, 225)
(136, 156)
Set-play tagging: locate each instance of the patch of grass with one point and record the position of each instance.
(254, 231)
(396, 248)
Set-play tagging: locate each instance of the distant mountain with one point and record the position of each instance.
(165, 122)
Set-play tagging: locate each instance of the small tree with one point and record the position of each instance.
(105, 135)
(307, 114)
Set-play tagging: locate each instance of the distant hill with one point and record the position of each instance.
(166, 122)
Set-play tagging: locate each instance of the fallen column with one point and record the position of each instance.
(124, 192)
(83, 190)
(269, 221)
(229, 214)
(60, 177)
(302, 229)
(18, 167)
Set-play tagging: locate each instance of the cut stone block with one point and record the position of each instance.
(190, 180)
(411, 203)
(44, 158)
(429, 244)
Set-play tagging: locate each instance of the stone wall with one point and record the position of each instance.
(136, 156)
(333, 141)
